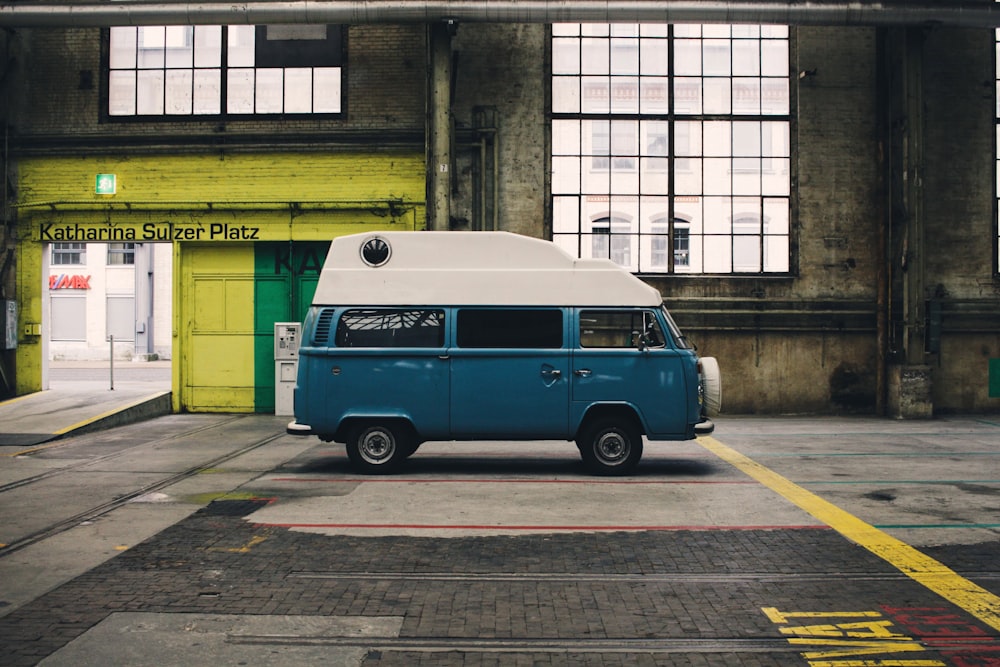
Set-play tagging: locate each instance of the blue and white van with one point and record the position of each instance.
(419, 336)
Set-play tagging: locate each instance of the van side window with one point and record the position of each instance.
(604, 328)
(510, 328)
(391, 327)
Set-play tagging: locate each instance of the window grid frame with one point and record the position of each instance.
(105, 115)
(672, 118)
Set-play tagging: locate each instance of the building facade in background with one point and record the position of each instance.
(816, 204)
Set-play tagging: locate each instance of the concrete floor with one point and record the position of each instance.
(219, 539)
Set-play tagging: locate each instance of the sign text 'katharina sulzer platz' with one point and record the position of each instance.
(150, 231)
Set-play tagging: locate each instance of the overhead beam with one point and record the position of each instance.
(965, 13)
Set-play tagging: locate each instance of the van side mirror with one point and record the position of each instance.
(640, 341)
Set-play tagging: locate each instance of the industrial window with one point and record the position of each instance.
(390, 327)
(183, 71)
(121, 253)
(510, 328)
(69, 253)
(672, 137)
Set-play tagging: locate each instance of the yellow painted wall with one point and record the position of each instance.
(167, 181)
(189, 200)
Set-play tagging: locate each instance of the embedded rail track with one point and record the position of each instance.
(65, 446)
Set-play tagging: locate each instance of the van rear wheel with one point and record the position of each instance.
(378, 448)
(610, 447)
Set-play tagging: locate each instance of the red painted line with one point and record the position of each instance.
(436, 480)
(408, 526)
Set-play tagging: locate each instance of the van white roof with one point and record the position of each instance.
(470, 268)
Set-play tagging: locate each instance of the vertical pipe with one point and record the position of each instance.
(111, 363)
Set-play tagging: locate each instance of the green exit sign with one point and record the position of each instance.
(106, 184)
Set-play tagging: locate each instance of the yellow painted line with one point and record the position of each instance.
(923, 569)
(254, 541)
(16, 399)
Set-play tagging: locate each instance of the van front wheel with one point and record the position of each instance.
(377, 448)
(610, 447)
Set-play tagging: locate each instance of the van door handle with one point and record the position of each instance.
(583, 372)
(444, 357)
(553, 373)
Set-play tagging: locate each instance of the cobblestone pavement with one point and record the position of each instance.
(629, 598)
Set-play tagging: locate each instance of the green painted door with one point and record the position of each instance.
(285, 277)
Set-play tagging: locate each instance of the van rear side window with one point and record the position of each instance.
(510, 328)
(391, 327)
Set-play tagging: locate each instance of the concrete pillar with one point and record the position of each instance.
(908, 378)
(439, 148)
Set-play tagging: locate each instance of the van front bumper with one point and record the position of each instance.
(295, 428)
(704, 427)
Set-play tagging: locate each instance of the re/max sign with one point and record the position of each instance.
(149, 232)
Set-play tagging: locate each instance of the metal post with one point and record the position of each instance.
(111, 366)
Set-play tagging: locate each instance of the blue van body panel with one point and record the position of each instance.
(450, 393)
(398, 382)
(651, 381)
(519, 393)
(411, 383)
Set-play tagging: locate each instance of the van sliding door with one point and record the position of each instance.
(509, 373)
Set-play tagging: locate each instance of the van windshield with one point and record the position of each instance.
(675, 331)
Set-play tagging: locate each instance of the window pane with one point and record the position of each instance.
(624, 56)
(391, 328)
(566, 56)
(298, 90)
(121, 93)
(746, 57)
(326, 89)
(268, 90)
(595, 56)
(207, 91)
(565, 137)
(509, 328)
(654, 57)
(152, 42)
(687, 57)
(239, 91)
(149, 95)
(179, 46)
(208, 46)
(241, 46)
(180, 91)
(623, 329)
(565, 94)
(123, 48)
(716, 57)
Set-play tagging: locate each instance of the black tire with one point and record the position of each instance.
(377, 448)
(610, 446)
